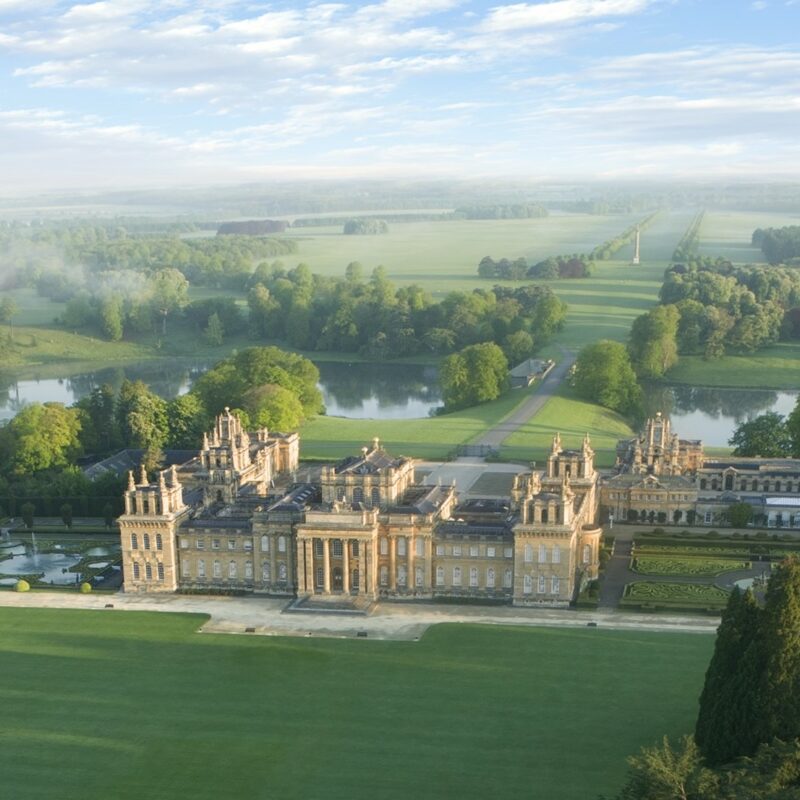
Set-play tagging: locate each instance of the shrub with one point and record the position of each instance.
(22, 586)
(86, 588)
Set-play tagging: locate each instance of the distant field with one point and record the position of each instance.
(728, 233)
(137, 705)
(572, 418)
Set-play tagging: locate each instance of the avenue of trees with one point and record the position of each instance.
(687, 247)
(368, 226)
(374, 318)
(778, 244)
(607, 250)
(746, 742)
(574, 266)
(266, 387)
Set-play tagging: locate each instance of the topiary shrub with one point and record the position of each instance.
(86, 588)
(22, 586)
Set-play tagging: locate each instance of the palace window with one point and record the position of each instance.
(340, 493)
(439, 549)
(419, 544)
(282, 572)
(554, 584)
(384, 576)
(354, 548)
(265, 571)
(232, 572)
(265, 543)
(231, 544)
(358, 495)
(215, 544)
(440, 576)
(134, 541)
(318, 548)
(401, 545)
(490, 578)
(320, 577)
(337, 548)
(456, 576)
(708, 517)
(384, 546)
(200, 544)
(508, 579)
(217, 569)
(418, 576)
(148, 572)
(527, 584)
(160, 567)
(456, 549)
(490, 552)
(556, 554)
(376, 496)
(542, 554)
(248, 545)
(356, 579)
(159, 542)
(473, 577)
(184, 543)
(248, 570)
(146, 538)
(473, 551)
(136, 571)
(186, 571)
(528, 553)
(587, 554)
(201, 568)
(281, 544)
(508, 552)
(402, 576)
(542, 586)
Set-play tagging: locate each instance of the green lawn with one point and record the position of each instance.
(133, 705)
(728, 233)
(572, 417)
(434, 437)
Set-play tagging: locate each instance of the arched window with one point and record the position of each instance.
(473, 577)
(232, 572)
(528, 553)
(728, 482)
(281, 544)
(542, 554)
(554, 584)
(148, 572)
(159, 542)
(541, 584)
(556, 554)
(418, 577)
(318, 548)
(545, 515)
(440, 576)
(160, 571)
(401, 545)
(336, 549)
(134, 542)
(340, 493)
(375, 496)
(265, 543)
(319, 577)
(146, 539)
(508, 579)
(384, 546)
(527, 584)
(490, 578)
(358, 495)
(384, 576)
(248, 570)
(456, 576)
(587, 553)
(136, 571)
(402, 575)
(201, 568)
(217, 569)
(282, 572)
(265, 572)
(419, 545)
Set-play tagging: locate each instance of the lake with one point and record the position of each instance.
(405, 391)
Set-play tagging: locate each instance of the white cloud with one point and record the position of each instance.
(560, 12)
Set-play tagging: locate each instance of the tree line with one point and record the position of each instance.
(746, 742)
(690, 241)
(500, 211)
(609, 248)
(572, 266)
(778, 245)
(365, 226)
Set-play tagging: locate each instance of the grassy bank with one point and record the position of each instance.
(464, 711)
(572, 417)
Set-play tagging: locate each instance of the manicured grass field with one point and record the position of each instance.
(434, 437)
(137, 705)
(729, 233)
(687, 594)
(572, 418)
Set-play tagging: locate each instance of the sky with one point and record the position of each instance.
(134, 93)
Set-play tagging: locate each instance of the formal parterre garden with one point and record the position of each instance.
(126, 704)
(697, 566)
(647, 595)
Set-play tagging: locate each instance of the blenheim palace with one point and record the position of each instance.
(235, 518)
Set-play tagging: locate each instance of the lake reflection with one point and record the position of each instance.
(713, 414)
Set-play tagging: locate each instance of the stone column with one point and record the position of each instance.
(392, 563)
(273, 562)
(411, 579)
(326, 563)
(346, 565)
(290, 565)
(301, 564)
(310, 577)
(427, 581)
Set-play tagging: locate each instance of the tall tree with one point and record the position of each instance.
(766, 436)
(603, 374)
(653, 344)
(169, 289)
